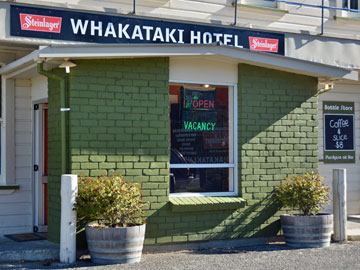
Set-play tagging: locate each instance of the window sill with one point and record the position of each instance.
(349, 19)
(277, 10)
(198, 204)
(8, 189)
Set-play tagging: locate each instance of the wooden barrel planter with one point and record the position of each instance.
(115, 245)
(307, 231)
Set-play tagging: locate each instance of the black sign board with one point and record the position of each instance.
(99, 28)
(339, 132)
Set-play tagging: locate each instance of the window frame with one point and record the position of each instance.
(233, 167)
(2, 131)
(267, 4)
(344, 13)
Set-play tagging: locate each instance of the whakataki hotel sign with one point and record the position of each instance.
(98, 28)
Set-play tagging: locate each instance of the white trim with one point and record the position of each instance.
(20, 63)
(235, 141)
(51, 54)
(268, 60)
(21, 70)
(205, 194)
(36, 153)
(3, 133)
(239, 55)
(38, 150)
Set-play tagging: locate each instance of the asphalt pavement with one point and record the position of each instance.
(271, 256)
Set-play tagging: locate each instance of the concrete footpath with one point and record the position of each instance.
(46, 255)
(272, 256)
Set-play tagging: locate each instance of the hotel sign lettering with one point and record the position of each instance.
(100, 28)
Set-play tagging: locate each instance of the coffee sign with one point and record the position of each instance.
(339, 132)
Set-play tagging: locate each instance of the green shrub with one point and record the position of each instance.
(110, 201)
(307, 193)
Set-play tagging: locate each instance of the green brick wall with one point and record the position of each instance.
(278, 129)
(119, 121)
(54, 162)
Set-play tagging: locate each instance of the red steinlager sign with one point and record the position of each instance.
(40, 23)
(263, 44)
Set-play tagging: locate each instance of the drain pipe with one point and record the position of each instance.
(322, 18)
(63, 109)
(235, 15)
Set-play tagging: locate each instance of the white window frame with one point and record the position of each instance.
(2, 133)
(345, 13)
(7, 174)
(233, 150)
(259, 3)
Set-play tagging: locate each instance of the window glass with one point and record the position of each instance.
(201, 138)
(351, 4)
(260, 3)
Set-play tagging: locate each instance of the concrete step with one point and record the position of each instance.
(353, 227)
(40, 250)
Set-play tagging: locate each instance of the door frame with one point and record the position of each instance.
(39, 195)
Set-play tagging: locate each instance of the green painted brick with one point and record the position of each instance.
(260, 91)
(80, 158)
(89, 166)
(98, 172)
(157, 165)
(133, 172)
(141, 165)
(151, 171)
(131, 158)
(107, 165)
(164, 239)
(97, 158)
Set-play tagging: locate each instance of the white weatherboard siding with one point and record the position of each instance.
(39, 90)
(201, 69)
(16, 208)
(348, 93)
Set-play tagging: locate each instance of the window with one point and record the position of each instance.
(351, 4)
(260, 3)
(203, 159)
(1, 123)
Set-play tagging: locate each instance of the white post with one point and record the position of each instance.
(69, 189)
(339, 202)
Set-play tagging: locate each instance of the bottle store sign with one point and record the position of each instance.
(339, 132)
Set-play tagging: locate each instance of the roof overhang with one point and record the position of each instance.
(55, 54)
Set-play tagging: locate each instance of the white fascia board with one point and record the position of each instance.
(278, 62)
(23, 63)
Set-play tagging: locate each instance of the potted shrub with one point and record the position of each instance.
(308, 194)
(113, 210)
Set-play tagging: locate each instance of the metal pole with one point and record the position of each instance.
(134, 6)
(322, 17)
(235, 18)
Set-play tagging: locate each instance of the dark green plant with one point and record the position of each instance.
(306, 192)
(110, 201)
